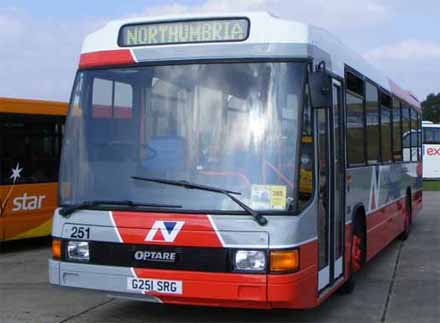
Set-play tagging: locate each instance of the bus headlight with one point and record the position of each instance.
(78, 250)
(250, 260)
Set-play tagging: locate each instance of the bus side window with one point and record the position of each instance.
(436, 135)
(397, 131)
(356, 121)
(31, 143)
(386, 127)
(406, 133)
(427, 135)
(355, 130)
(13, 138)
(372, 112)
(414, 135)
(419, 137)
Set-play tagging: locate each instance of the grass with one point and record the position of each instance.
(431, 185)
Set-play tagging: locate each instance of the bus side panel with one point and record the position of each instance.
(384, 225)
(381, 190)
(27, 210)
(431, 161)
(297, 290)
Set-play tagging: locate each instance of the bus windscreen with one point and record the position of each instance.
(233, 126)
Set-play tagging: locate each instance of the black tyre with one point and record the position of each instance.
(358, 245)
(348, 286)
(358, 253)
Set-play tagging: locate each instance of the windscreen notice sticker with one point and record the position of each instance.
(266, 197)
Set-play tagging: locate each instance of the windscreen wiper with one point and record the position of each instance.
(193, 186)
(67, 210)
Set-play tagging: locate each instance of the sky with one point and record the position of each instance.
(40, 41)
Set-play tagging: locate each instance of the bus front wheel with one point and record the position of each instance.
(358, 253)
(358, 247)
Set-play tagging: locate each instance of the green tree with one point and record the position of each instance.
(431, 108)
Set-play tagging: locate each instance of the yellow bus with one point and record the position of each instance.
(30, 146)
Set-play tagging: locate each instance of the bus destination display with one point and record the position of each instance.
(200, 31)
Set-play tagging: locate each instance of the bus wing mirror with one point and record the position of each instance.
(320, 90)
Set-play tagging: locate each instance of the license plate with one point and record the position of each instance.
(154, 285)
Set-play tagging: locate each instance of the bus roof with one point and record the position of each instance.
(430, 125)
(269, 37)
(26, 106)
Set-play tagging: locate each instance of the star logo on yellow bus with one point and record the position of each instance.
(16, 173)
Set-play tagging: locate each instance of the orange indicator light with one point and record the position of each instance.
(56, 248)
(284, 261)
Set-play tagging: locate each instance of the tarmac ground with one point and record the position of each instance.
(401, 284)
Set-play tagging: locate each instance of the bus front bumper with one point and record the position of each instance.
(297, 290)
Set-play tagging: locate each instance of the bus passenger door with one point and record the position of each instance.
(339, 178)
(330, 190)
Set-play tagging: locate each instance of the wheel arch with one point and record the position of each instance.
(359, 216)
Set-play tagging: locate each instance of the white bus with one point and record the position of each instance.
(431, 150)
(236, 160)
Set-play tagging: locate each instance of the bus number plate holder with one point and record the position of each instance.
(154, 285)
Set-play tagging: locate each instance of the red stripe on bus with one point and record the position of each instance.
(186, 230)
(293, 290)
(384, 225)
(299, 289)
(105, 58)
